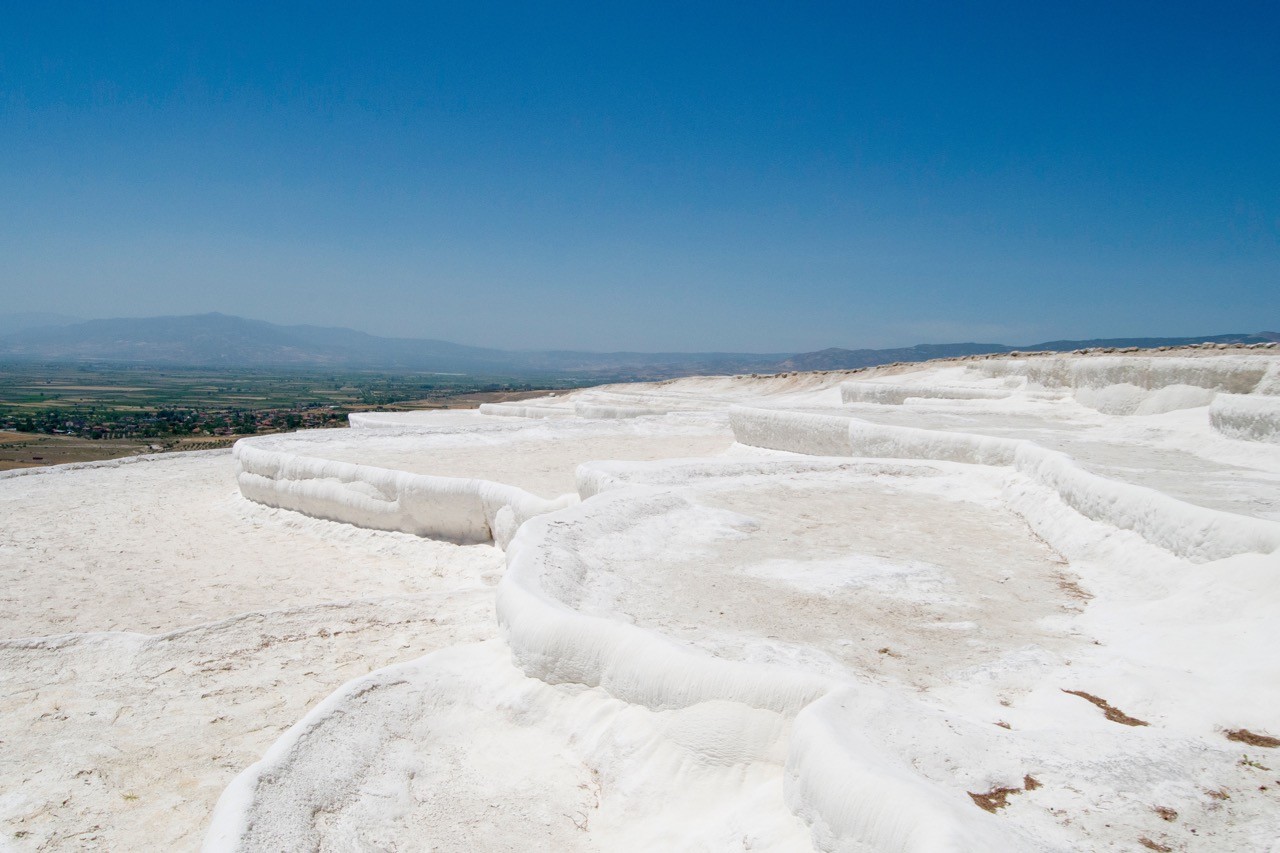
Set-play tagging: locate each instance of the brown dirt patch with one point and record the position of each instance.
(1073, 589)
(1152, 845)
(207, 443)
(1112, 713)
(33, 450)
(1252, 738)
(996, 798)
(1165, 813)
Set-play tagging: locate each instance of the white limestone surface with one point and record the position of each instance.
(452, 483)
(1123, 385)
(159, 632)
(1029, 609)
(462, 751)
(1252, 418)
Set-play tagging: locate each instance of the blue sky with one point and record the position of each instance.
(756, 177)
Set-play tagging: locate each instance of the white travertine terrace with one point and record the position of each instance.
(893, 393)
(1126, 385)
(1252, 418)
(463, 485)
(1012, 603)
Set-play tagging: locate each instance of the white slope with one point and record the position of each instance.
(160, 632)
(1013, 603)
(461, 751)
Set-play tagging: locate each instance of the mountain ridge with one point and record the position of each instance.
(204, 340)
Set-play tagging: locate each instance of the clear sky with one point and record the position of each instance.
(687, 176)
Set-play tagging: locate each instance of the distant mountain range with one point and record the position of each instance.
(10, 323)
(225, 341)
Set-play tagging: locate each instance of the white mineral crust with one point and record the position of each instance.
(1014, 603)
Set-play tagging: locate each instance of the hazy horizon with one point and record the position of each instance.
(55, 320)
(741, 179)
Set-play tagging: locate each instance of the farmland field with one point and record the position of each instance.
(53, 413)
